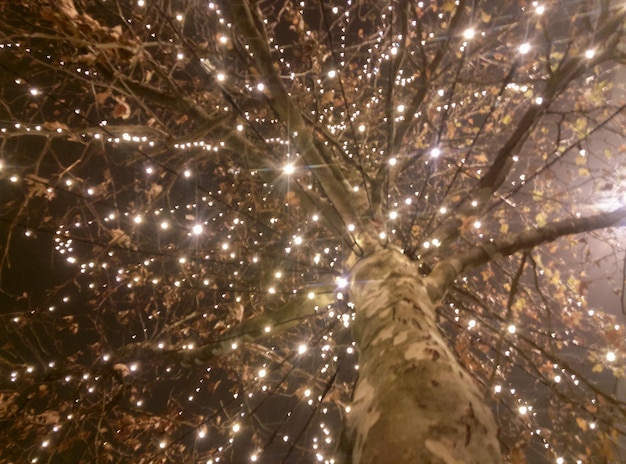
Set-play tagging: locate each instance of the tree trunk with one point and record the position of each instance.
(413, 402)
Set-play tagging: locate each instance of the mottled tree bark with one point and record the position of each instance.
(413, 402)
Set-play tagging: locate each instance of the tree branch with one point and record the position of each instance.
(331, 179)
(269, 323)
(569, 70)
(447, 270)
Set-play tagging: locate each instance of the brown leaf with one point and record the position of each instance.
(54, 125)
(518, 456)
(122, 110)
(102, 97)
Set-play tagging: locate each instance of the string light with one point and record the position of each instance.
(469, 33)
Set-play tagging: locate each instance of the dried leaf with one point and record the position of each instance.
(102, 97)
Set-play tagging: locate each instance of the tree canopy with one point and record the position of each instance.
(186, 185)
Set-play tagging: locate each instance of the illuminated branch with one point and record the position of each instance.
(270, 323)
(331, 179)
(446, 271)
(568, 70)
(423, 82)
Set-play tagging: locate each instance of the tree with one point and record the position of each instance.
(209, 208)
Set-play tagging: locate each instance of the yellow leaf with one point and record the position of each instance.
(449, 6)
(504, 228)
(481, 158)
(581, 160)
(506, 120)
(541, 219)
(583, 172)
(485, 17)
(582, 423)
(597, 368)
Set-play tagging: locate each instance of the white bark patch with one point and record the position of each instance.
(362, 417)
(374, 307)
(384, 313)
(401, 338)
(442, 451)
(383, 335)
(415, 351)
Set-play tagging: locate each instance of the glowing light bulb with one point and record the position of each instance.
(611, 356)
(435, 152)
(197, 229)
(289, 168)
(469, 33)
(524, 48)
